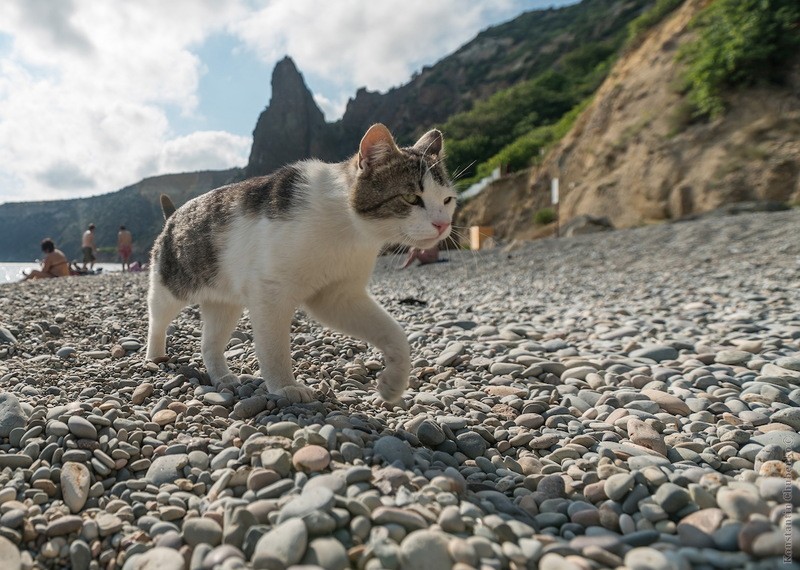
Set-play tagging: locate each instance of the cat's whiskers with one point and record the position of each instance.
(460, 172)
(432, 165)
(462, 238)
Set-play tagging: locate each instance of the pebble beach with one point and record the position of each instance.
(625, 400)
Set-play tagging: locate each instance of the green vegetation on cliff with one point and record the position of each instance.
(739, 42)
(514, 125)
(639, 27)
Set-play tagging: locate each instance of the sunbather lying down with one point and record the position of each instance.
(55, 263)
(425, 256)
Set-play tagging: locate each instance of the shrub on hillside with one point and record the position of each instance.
(544, 216)
(739, 42)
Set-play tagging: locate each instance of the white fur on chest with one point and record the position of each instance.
(296, 258)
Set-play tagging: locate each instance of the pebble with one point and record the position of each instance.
(425, 550)
(10, 555)
(81, 428)
(167, 468)
(158, 558)
(201, 531)
(618, 485)
(141, 393)
(75, 484)
(311, 458)
(327, 553)
(311, 500)
(285, 543)
(740, 503)
(657, 352)
(646, 558)
(393, 449)
(11, 414)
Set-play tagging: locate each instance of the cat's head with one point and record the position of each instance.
(403, 194)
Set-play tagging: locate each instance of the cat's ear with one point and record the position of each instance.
(431, 143)
(376, 145)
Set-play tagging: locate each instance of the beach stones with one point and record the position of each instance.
(618, 485)
(643, 434)
(471, 444)
(740, 503)
(669, 403)
(540, 441)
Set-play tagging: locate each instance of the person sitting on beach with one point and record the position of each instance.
(88, 247)
(125, 247)
(55, 263)
(425, 256)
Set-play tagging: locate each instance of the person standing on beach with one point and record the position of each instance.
(55, 263)
(88, 247)
(125, 247)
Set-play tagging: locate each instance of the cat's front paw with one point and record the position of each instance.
(227, 382)
(392, 386)
(296, 393)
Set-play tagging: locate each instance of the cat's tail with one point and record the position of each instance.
(167, 206)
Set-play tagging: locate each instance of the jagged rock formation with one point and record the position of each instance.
(292, 127)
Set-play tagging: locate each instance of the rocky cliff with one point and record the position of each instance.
(292, 127)
(636, 156)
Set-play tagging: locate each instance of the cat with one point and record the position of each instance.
(308, 236)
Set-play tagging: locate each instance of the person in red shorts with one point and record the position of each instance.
(125, 247)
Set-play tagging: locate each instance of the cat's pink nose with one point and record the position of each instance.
(441, 226)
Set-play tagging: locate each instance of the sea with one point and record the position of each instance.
(11, 272)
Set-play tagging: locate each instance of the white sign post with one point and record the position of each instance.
(554, 200)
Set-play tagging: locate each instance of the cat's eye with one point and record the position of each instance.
(413, 199)
(448, 200)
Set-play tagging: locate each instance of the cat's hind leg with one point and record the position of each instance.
(162, 307)
(219, 319)
(353, 311)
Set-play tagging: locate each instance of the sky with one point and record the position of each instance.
(96, 95)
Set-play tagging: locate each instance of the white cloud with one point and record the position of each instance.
(331, 109)
(351, 43)
(86, 89)
(205, 150)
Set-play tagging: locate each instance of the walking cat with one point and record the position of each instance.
(305, 236)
